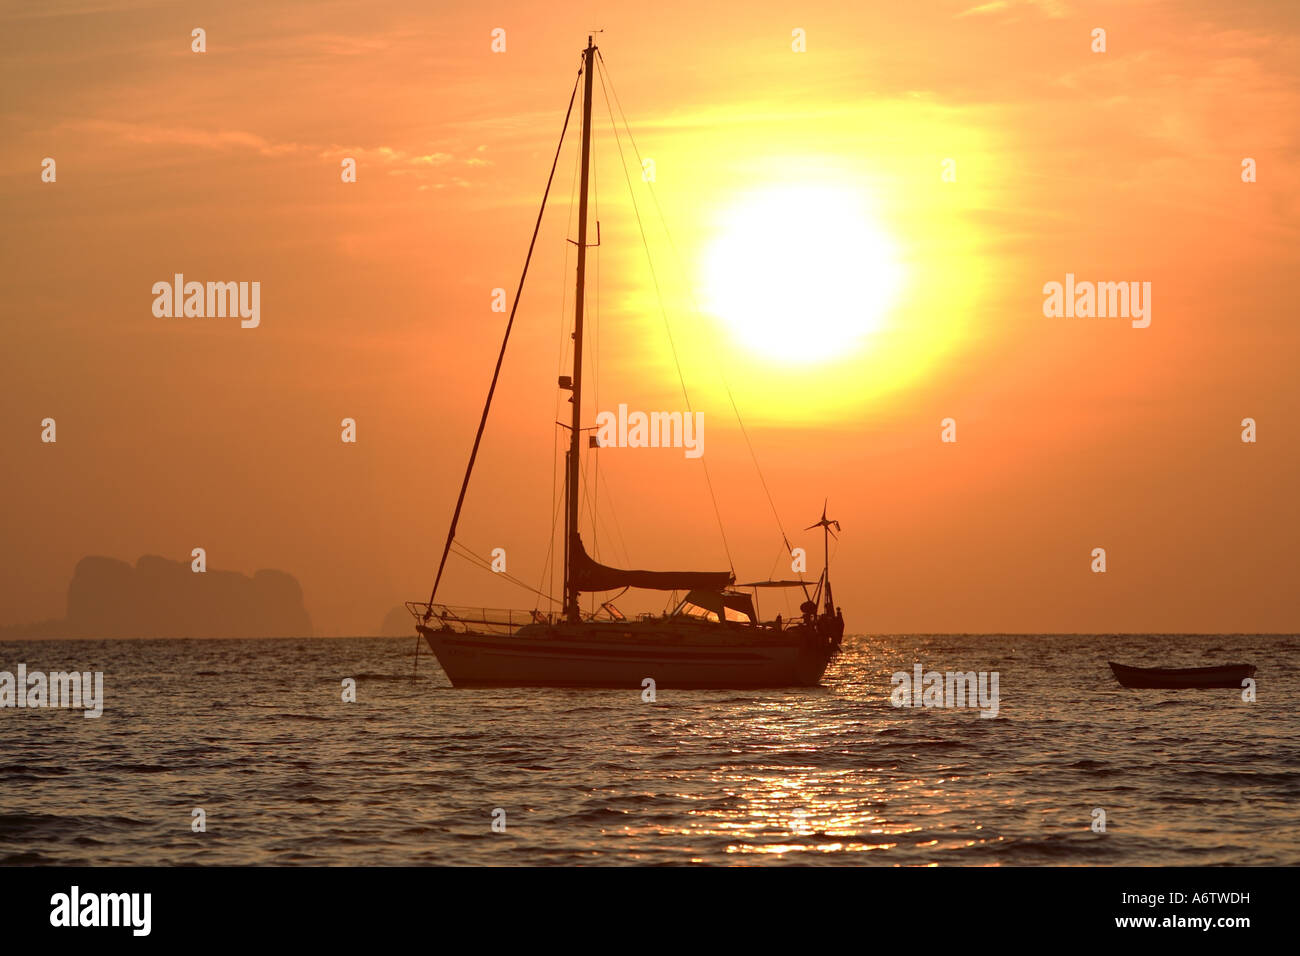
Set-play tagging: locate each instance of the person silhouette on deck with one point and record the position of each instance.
(809, 609)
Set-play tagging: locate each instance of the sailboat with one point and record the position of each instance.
(712, 638)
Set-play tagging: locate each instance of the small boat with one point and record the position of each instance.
(1223, 675)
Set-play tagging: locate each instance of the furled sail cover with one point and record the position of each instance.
(590, 575)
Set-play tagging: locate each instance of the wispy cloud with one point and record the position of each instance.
(157, 135)
(1055, 9)
(387, 156)
(396, 162)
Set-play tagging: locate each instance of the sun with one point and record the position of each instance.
(801, 273)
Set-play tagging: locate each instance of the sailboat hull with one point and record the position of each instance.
(624, 655)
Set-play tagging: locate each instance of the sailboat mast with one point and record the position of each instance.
(571, 596)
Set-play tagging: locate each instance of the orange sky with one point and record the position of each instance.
(1072, 433)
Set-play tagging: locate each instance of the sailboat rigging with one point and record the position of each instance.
(713, 638)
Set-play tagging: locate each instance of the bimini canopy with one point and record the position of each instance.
(590, 575)
(724, 605)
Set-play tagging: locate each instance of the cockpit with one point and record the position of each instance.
(733, 607)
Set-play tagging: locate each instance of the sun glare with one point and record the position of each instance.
(801, 274)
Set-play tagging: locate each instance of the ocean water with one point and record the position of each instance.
(256, 734)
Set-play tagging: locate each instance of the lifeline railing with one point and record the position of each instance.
(477, 619)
